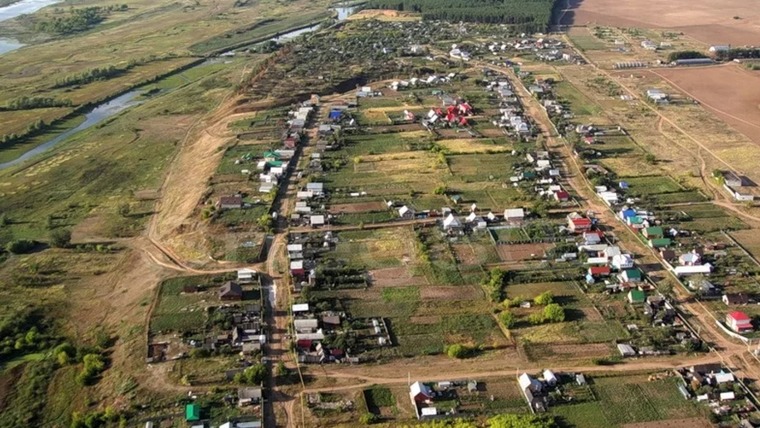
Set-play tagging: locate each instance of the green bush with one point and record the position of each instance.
(253, 375)
(544, 298)
(20, 246)
(554, 313)
(367, 418)
(508, 319)
(458, 351)
(60, 238)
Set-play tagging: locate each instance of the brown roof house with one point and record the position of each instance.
(230, 202)
(231, 291)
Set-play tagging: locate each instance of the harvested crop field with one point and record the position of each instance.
(394, 277)
(707, 21)
(359, 207)
(730, 92)
(520, 252)
(673, 423)
(450, 293)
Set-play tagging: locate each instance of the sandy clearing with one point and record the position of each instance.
(707, 21)
(731, 92)
(673, 423)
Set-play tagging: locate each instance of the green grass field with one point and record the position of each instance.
(652, 185)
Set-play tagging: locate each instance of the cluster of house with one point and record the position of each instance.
(312, 330)
(421, 82)
(536, 390)
(739, 187)
(457, 52)
(246, 332)
(426, 395)
(658, 96)
(544, 49)
(246, 396)
(714, 385)
(302, 251)
(453, 113)
(310, 208)
(511, 118)
(545, 176)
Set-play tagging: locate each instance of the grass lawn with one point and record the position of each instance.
(375, 249)
(652, 185)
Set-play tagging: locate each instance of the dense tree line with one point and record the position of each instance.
(28, 103)
(91, 75)
(528, 15)
(35, 128)
(674, 56)
(738, 53)
(77, 20)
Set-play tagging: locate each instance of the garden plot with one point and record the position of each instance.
(471, 146)
(390, 176)
(481, 167)
(378, 144)
(582, 323)
(376, 249)
(522, 252)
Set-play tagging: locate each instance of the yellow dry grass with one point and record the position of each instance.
(472, 146)
(385, 15)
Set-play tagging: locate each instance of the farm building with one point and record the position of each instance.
(652, 232)
(300, 307)
(735, 299)
(704, 269)
(636, 296)
(451, 222)
(660, 242)
(657, 96)
(192, 412)
(532, 390)
(230, 202)
(579, 224)
(739, 322)
(231, 291)
(719, 48)
(631, 275)
(597, 271)
(419, 392)
(246, 275)
(406, 213)
(694, 61)
(248, 396)
(622, 261)
(514, 215)
(317, 220)
(296, 268)
(626, 350)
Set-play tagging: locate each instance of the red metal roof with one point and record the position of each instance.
(581, 221)
(739, 316)
(599, 270)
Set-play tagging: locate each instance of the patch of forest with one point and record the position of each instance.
(527, 15)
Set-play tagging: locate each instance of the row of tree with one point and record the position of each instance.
(91, 75)
(529, 15)
(738, 53)
(28, 103)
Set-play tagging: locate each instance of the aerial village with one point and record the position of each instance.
(434, 215)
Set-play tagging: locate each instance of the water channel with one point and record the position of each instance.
(15, 10)
(127, 100)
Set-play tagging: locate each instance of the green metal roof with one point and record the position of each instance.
(633, 273)
(654, 231)
(193, 412)
(660, 242)
(635, 220)
(637, 296)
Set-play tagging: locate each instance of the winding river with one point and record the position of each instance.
(125, 101)
(15, 10)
